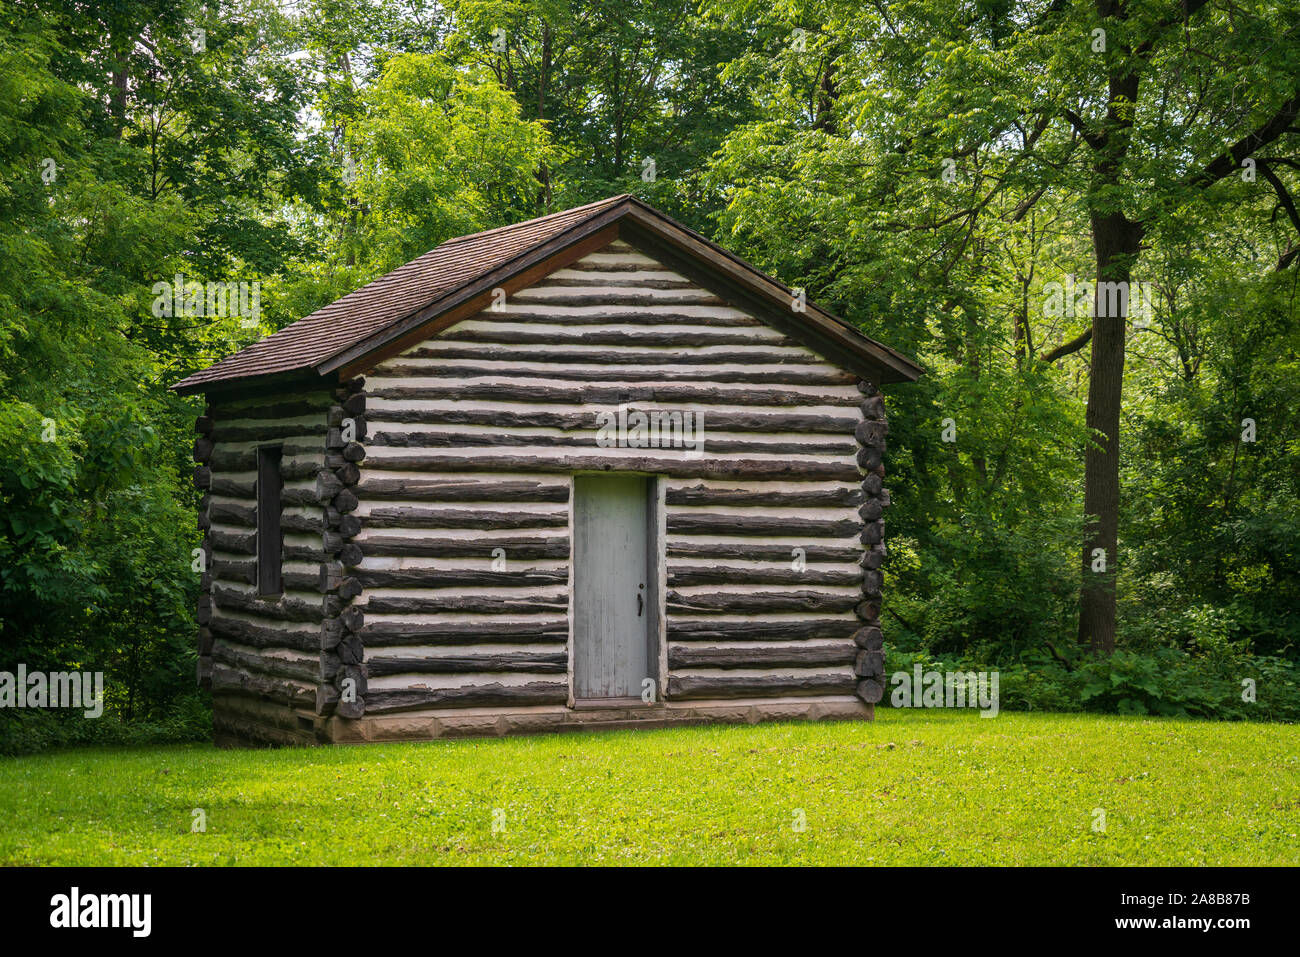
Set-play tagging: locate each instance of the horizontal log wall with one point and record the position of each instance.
(258, 653)
(464, 586)
(463, 494)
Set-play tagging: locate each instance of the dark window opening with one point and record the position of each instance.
(269, 537)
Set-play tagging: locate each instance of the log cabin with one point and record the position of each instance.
(585, 471)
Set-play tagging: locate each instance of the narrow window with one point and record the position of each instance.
(268, 521)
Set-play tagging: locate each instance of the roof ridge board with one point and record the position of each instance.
(848, 326)
(573, 226)
(390, 331)
(326, 312)
(610, 200)
(410, 265)
(771, 280)
(443, 293)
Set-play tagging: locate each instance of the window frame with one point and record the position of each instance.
(270, 533)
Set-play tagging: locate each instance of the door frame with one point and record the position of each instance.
(656, 598)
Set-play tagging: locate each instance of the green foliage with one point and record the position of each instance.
(188, 719)
(439, 152)
(930, 179)
(617, 84)
(95, 519)
(1167, 682)
(919, 167)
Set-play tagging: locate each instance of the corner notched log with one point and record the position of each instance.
(871, 435)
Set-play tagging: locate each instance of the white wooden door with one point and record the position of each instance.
(612, 587)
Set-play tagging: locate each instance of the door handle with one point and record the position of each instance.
(640, 604)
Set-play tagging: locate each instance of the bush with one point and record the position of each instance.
(26, 731)
(1166, 681)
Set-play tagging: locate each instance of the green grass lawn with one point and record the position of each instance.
(914, 787)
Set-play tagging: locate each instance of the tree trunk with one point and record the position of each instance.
(1116, 241)
(121, 73)
(824, 101)
(543, 174)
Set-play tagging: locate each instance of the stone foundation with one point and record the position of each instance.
(245, 723)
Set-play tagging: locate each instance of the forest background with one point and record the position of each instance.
(1097, 495)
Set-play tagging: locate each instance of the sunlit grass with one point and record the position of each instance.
(913, 787)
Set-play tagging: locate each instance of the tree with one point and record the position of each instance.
(630, 92)
(439, 152)
(962, 119)
(1148, 49)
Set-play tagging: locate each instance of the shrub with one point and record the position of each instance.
(26, 731)
(1165, 681)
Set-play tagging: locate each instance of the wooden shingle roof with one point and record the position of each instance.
(454, 280)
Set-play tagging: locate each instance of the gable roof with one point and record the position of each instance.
(456, 279)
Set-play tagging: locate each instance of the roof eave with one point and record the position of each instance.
(267, 382)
